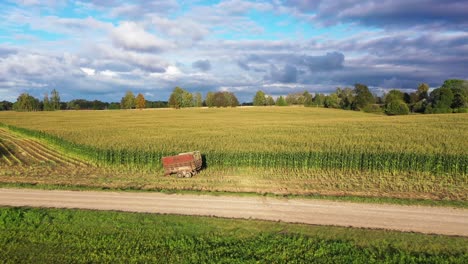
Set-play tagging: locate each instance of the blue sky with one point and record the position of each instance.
(99, 49)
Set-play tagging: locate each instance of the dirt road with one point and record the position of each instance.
(435, 220)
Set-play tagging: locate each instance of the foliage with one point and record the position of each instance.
(319, 99)
(140, 101)
(281, 101)
(46, 103)
(55, 100)
(26, 103)
(198, 100)
(270, 101)
(373, 108)
(295, 99)
(79, 236)
(308, 99)
(82, 104)
(332, 101)
(180, 98)
(346, 97)
(209, 101)
(128, 101)
(6, 106)
(363, 97)
(396, 107)
(393, 95)
(225, 99)
(441, 100)
(259, 99)
(422, 92)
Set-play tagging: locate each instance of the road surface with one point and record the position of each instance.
(434, 220)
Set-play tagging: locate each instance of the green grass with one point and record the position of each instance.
(78, 236)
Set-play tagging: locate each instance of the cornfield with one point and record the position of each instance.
(296, 138)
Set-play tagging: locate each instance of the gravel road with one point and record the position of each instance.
(433, 220)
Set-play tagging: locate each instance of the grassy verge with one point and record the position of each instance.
(343, 198)
(78, 236)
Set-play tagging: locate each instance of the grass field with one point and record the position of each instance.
(77, 236)
(290, 150)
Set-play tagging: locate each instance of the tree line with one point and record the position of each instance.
(451, 97)
(28, 103)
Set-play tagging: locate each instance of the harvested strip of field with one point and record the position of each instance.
(16, 150)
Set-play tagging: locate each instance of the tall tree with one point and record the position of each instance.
(128, 101)
(140, 101)
(26, 102)
(198, 100)
(55, 100)
(423, 91)
(259, 99)
(180, 98)
(363, 97)
(209, 101)
(346, 97)
(332, 101)
(393, 95)
(318, 99)
(46, 103)
(281, 101)
(441, 100)
(270, 100)
(308, 99)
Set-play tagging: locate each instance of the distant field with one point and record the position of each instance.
(290, 150)
(77, 236)
(247, 130)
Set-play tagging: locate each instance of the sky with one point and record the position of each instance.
(102, 48)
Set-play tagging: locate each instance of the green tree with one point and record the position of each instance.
(363, 97)
(281, 101)
(270, 101)
(225, 99)
(397, 107)
(128, 101)
(332, 101)
(198, 100)
(176, 98)
(140, 101)
(393, 95)
(346, 97)
(55, 100)
(441, 100)
(26, 103)
(187, 99)
(46, 103)
(318, 99)
(259, 99)
(180, 98)
(6, 106)
(308, 99)
(295, 99)
(209, 101)
(422, 92)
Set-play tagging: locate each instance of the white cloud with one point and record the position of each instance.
(88, 71)
(109, 73)
(132, 36)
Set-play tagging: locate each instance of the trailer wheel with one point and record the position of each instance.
(180, 174)
(187, 174)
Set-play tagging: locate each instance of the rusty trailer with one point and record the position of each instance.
(184, 165)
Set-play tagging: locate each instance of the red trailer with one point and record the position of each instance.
(184, 164)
